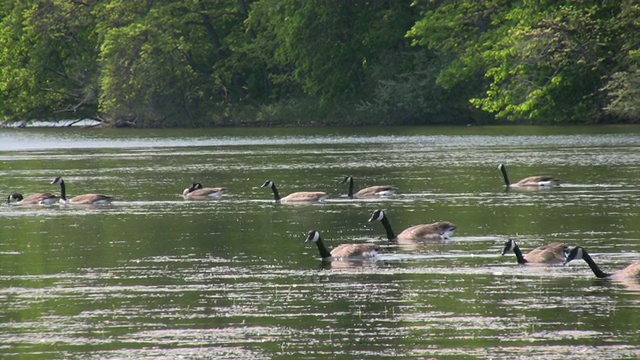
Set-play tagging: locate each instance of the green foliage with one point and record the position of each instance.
(546, 61)
(155, 63)
(327, 46)
(47, 61)
(549, 67)
(171, 64)
(623, 91)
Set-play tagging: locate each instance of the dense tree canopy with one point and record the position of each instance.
(154, 63)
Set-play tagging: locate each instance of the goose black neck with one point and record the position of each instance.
(324, 253)
(350, 188)
(387, 227)
(518, 252)
(276, 194)
(63, 190)
(505, 175)
(594, 267)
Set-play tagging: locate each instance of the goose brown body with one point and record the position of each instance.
(631, 271)
(33, 199)
(371, 191)
(424, 232)
(344, 251)
(301, 196)
(552, 253)
(84, 199)
(531, 181)
(197, 191)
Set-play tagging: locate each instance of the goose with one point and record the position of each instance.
(84, 199)
(553, 253)
(194, 186)
(33, 199)
(344, 251)
(371, 191)
(531, 181)
(302, 196)
(197, 191)
(437, 231)
(631, 271)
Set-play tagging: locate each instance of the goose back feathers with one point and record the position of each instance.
(84, 199)
(371, 191)
(553, 253)
(33, 199)
(302, 196)
(531, 181)
(435, 231)
(344, 251)
(197, 191)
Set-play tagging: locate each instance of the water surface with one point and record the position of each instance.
(157, 276)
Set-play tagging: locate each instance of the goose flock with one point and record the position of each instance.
(553, 253)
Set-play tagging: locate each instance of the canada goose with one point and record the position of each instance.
(371, 191)
(579, 252)
(553, 253)
(33, 199)
(531, 181)
(344, 251)
(84, 199)
(436, 231)
(194, 186)
(197, 191)
(302, 196)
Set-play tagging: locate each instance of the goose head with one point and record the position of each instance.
(446, 229)
(267, 183)
(346, 179)
(313, 236)
(576, 253)
(191, 188)
(509, 246)
(14, 197)
(377, 215)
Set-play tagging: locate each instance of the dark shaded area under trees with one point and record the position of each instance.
(199, 63)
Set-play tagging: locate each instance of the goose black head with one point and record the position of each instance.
(377, 215)
(576, 253)
(313, 236)
(509, 246)
(14, 197)
(346, 179)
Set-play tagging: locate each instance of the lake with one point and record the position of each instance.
(156, 276)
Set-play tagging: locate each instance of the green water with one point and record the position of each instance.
(157, 276)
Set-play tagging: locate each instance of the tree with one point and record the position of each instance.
(622, 86)
(47, 62)
(327, 47)
(152, 63)
(546, 61)
(170, 62)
